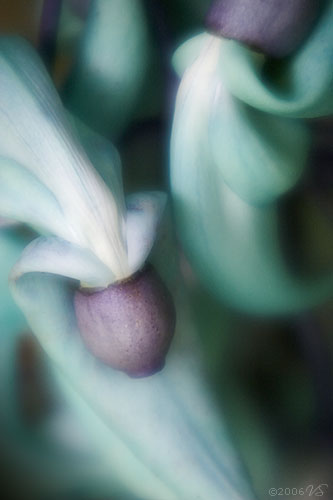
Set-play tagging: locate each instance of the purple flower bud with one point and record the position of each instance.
(274, 27)
(130, 324)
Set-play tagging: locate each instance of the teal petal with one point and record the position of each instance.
(111, 64)
(161, 435)
(60, 452)
(301, 86)
(260, 156)
(187, 52)
(305, 88)
(235, 246)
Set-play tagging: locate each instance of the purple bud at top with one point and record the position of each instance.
(274, 27)
(130, 324)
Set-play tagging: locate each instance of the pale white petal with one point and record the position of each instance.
(56, 256)
(144, 212)
(36, 134)
(105, 158)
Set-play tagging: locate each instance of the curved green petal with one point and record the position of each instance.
(301, 86)
(260, 156)
(185, 55)
(161, 435)
(110, 67)
(235, 246)
(305, 87)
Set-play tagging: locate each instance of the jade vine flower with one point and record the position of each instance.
(239, 143)
(48, 182)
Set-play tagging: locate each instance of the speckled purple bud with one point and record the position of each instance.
(274, 27)
(130, 324)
